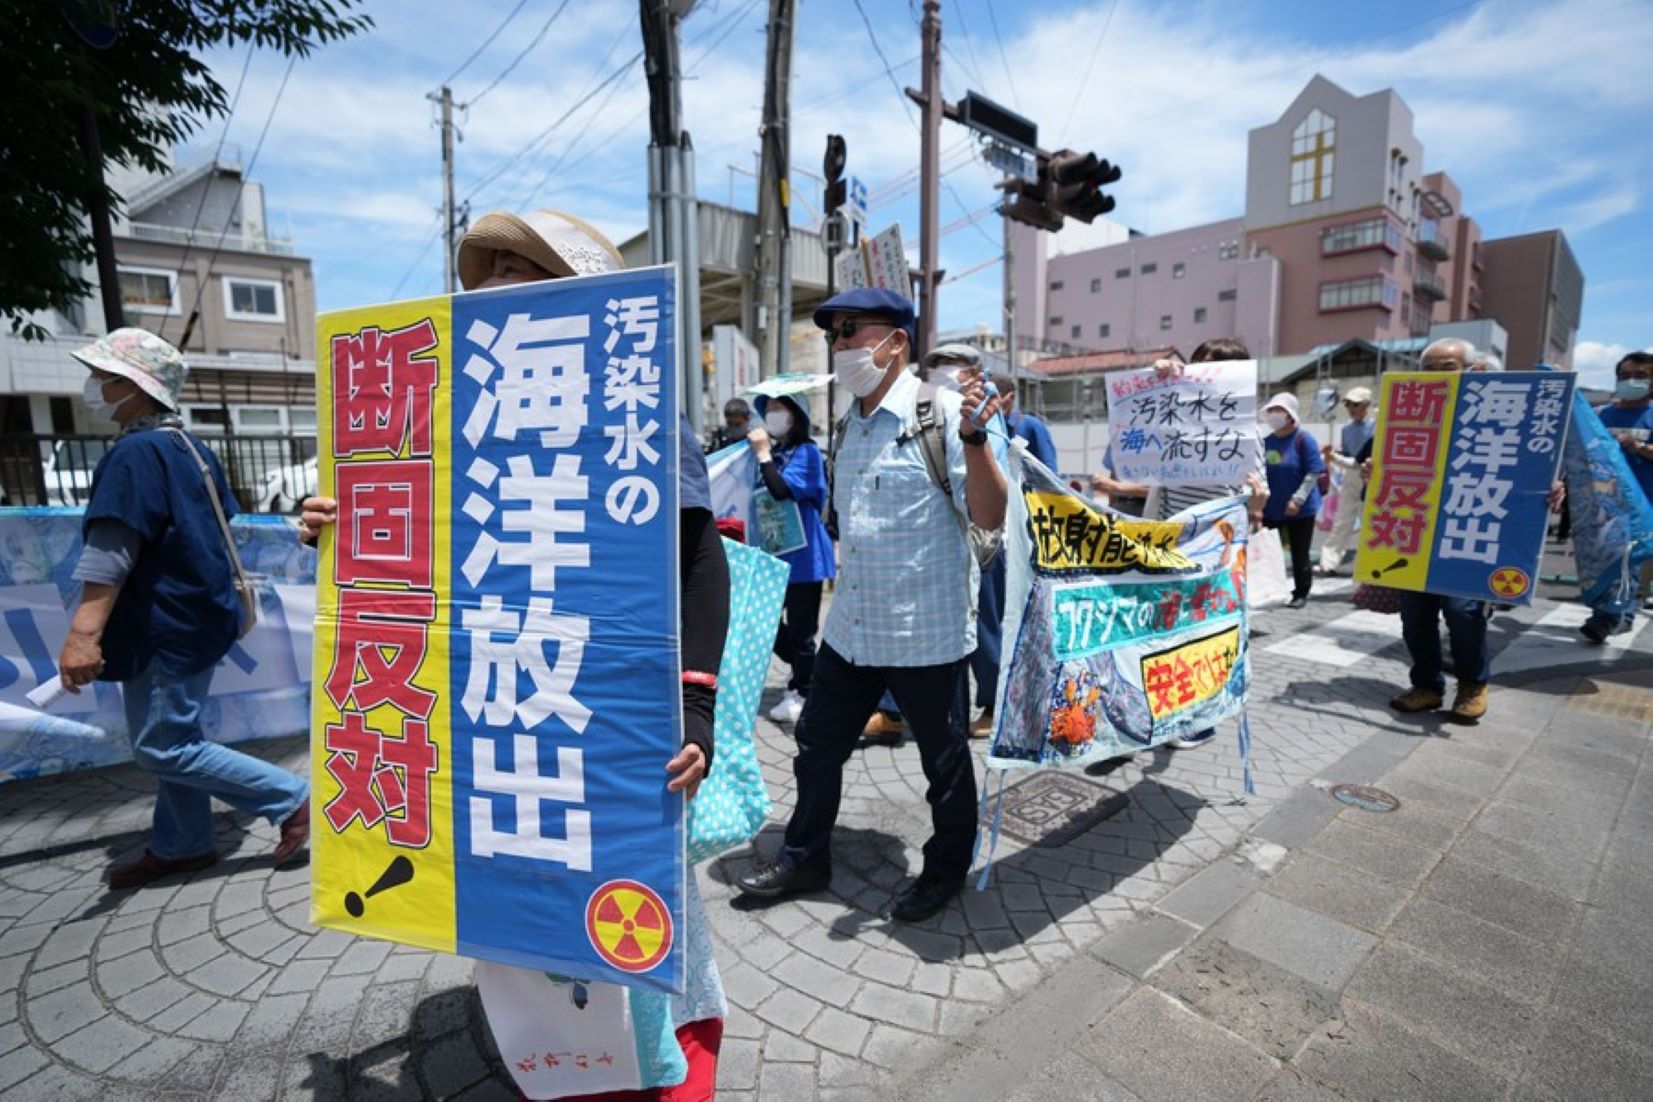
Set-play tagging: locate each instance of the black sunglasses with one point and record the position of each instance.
(844, 330)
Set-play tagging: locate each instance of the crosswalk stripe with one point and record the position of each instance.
(1555, 641)
(1344, 642)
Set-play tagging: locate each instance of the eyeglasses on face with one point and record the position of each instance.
(847, 328)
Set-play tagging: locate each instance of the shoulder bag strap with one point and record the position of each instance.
(217, 505)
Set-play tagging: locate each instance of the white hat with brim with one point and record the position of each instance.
(963, 352)
(1287, 402)
(1359, 395)
(157, 368)
(560, 243)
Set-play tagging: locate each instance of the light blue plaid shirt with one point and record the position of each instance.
(907, 581)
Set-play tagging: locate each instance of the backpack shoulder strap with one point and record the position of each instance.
(931, 438)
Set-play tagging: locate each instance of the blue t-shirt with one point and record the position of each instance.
(1037, 435)
(1641, 420)
(804, 472)
(178, 603)
(1289, 458)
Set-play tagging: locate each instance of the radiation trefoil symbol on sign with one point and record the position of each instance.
(628, 925)
(1509, 581)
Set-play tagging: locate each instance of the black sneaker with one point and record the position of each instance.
(778, 880)
(924, 897)
(1297, 602)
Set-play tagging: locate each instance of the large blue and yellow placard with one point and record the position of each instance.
(1462, 467)
(497, 627)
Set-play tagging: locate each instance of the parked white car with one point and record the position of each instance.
(285, 488)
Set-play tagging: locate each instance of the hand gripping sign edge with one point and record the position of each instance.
(624, 913)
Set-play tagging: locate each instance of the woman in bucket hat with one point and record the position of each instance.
(503, 249)
(159, 609)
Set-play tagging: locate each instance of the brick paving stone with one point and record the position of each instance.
(217, 1023)
(128, 974)
(839, 1031)
(908, 1009)
(819, 980)
(104, 1043)
(55, 1016)
(788, 1081)
(789, 1010)
(737, 1066)
(181, 1013)
(227, 975)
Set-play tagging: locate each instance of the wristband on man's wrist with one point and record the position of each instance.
(975, 439)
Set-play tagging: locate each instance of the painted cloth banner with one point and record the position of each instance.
(732, 472)
(1462, 469)
(497, 651)
(1197, 428)
(1612, 520)
(260, 690)
(1120, 633)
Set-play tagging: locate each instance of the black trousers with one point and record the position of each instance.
(933, 700)
(1298, 533)
(795, 638)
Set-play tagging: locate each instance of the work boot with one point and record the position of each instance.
(1417, 700)
(882, 729)
(135, 874)
(1471, 702)
(983, 725)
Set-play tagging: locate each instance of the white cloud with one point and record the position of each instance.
(1594, 361)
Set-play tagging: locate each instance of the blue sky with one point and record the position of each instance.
(1539, 110)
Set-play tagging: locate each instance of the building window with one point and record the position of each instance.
(1178, 270)
(149, 290)
(1096, 286)
(1225, 296)
(1165, 321)
(1122, 273)
(1074, 332)
(1199, 315)
(1371, 233)
(1149, 269)
(1056, 285)
(1230, 251)
(1312, 160)
(302, 419)
(1056, 322)
(1104, 330)
(206, 419)
(1350, 293)
(253, 300)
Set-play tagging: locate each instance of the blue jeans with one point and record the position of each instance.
(984, 660)
(163, 721)
(1466, 628)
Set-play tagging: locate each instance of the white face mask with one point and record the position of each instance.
(778, 422)
(1276, 420)
(948, 379)
(92, 391)
(856, 369)
(1631, 390)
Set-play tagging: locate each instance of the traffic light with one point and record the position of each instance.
(832, 167)
(1029, 201)
(1076, 181)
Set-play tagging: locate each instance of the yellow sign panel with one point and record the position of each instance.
(1409, 451)
(1068, 534)
(381, 763)
(1189, 674)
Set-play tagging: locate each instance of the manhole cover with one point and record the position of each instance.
(1052, 808)
(1365, 797)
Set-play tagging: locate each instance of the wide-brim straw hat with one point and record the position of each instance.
(558, 242)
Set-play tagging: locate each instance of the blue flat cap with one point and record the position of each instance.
(868, 300)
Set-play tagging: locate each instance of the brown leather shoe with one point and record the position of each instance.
(135, 874)
(294, 833)
(983, 726)
(883, 730)
(1416, 700)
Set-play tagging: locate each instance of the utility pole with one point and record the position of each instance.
(449, 223)
(1010, 304)
(775, 197)
(674, 214)
(929, 175)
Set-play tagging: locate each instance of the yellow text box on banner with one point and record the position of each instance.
(381, 764)
(1403, 498)
(1070, 535)
(1190, 674)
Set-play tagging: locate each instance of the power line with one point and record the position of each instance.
(515, 61)
(889, 72)
(466, 64)
(1015, 97)
(418, 260)
(218, 152)
(201, 285)
(1079, 94)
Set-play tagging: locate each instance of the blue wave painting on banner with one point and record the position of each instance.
(261, 689)
(1120, 633)
(1612, 519)
(564, 531)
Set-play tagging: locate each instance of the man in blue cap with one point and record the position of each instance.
(903, 616)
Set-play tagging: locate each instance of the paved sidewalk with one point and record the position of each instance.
(1487, 938)
(214, 986)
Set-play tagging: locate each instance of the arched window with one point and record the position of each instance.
(1312, 155)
